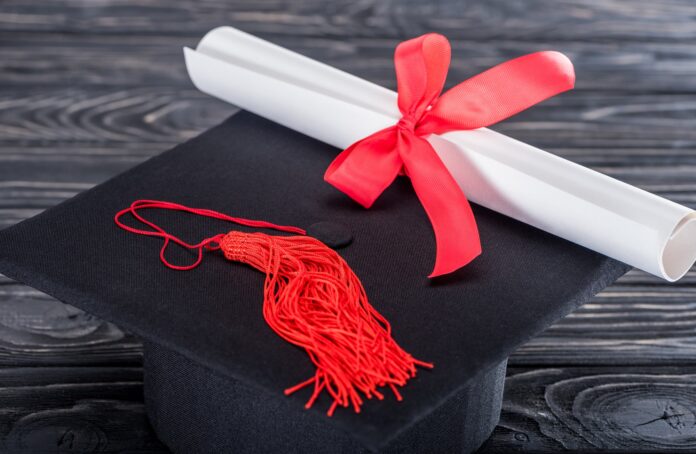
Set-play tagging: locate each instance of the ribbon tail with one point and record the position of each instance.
(456, 234)
(365, 169)
(500, 92)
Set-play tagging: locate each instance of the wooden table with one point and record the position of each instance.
(89, 88)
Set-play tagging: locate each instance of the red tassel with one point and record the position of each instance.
(313, 300)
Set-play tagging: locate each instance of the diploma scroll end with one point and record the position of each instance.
(679, 253)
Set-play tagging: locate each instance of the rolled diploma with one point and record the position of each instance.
(513, 178)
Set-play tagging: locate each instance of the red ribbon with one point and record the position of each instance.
(369, 166)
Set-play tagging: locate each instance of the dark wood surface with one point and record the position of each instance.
(88, 88)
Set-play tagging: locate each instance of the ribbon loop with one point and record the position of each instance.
(421, 66)
(499, 93)
(366, 168)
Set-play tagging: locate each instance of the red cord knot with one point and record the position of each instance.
(234, 246)
(213, 243)
(407, 124)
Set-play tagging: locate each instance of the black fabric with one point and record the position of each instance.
(465, 323)
(332, 234)
(195, 410)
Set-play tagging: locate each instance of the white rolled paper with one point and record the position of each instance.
(513, 178)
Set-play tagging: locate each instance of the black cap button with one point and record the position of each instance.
(332, 234)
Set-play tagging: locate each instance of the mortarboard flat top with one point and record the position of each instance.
(466, 323)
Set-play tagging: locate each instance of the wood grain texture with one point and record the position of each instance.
(89, 88)
(89, 410)
(573, 20)
(143, 60)
(654, 130)
(35, 330)
(74, 410)
(597, 409)
(637, 321)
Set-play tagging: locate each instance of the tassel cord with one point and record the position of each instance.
(211, 243)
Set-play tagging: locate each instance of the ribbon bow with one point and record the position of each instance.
(366, 168)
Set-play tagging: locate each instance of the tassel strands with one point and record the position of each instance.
(313, 300)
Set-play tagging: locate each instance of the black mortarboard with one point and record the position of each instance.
(215, 372)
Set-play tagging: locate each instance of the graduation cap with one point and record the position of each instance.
(215, 371)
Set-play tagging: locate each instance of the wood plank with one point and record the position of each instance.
(669, 20)
(640, 320)
(595, 121)
(106, 116)
(590, 409)
(76, 409)
(144, 61)
(37, 330)
(76, 115)
(544, 410)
